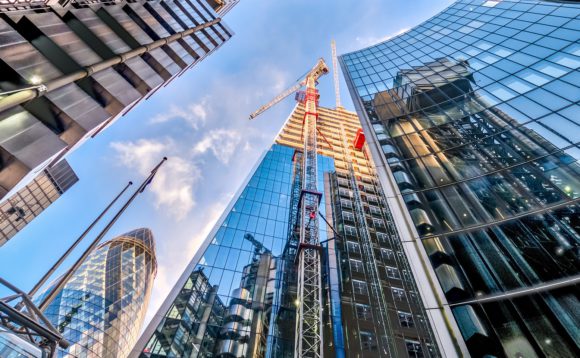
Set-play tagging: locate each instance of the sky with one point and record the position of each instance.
(200, 122)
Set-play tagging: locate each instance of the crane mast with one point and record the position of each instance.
(309, 316)
(309, 324)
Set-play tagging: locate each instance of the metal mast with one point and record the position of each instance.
(62, 281)
(309, 316)
(309, 336)
(335, 74)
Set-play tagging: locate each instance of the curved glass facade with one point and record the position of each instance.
(101, 309)
(475, 115)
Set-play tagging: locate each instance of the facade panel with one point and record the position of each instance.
(473, 117)
(71, 68)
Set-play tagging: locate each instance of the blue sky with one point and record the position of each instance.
(200, 123)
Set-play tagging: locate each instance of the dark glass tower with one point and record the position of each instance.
(238, 297)
(473, 120)
(71, 68)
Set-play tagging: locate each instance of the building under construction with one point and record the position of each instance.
(305, 262)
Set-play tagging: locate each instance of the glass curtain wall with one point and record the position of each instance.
(236, 302)
(101, 308)
(476, 115)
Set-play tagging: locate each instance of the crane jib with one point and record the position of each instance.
(320, 69)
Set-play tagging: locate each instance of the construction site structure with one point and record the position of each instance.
(338, 281)
(309, 340)
(309, 301)
(381, 312)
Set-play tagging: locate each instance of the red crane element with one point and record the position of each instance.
(359, 140)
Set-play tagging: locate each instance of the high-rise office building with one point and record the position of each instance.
(101, 308)
(70, 68)
(473, 121)
(238, 297)
(21, 208)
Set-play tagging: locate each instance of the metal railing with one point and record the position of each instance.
(28, 322)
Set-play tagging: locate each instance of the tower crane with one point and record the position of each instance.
(258, 247)
(309, 335)
(318, 70)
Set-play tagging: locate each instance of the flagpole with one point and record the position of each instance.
(54, 267)
(63, 280)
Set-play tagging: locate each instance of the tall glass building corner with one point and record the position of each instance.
(230, 302)
(100, 310)
(473, 121)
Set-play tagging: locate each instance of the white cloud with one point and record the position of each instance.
(221, 142)
(372, 40)
(194, 114)
(174, 182)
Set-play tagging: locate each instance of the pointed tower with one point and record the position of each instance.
(101, 308)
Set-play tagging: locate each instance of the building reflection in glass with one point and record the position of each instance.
(493, 201)
(101, 308)
(480, 137)
(225, 307)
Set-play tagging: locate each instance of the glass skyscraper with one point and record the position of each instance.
(101, 308)
(473, 121)
(27, 203)
(70, 68)
(238, 297)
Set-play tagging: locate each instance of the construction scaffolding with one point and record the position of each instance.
(380, 309)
